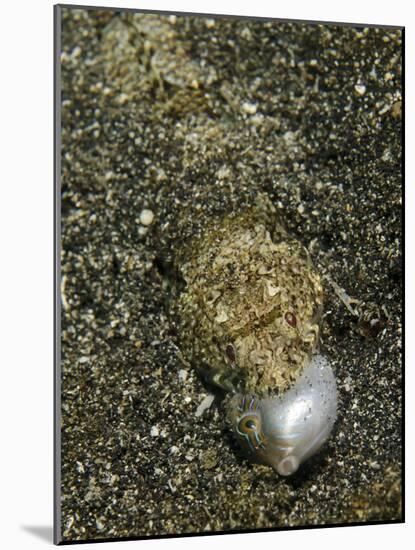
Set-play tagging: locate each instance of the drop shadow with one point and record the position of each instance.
(43, 532)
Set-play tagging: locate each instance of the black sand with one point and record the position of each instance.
(189, 117)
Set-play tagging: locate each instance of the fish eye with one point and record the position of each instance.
(249, 424)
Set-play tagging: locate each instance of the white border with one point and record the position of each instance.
(26, 124)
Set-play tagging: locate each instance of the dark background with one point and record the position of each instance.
(190, 117)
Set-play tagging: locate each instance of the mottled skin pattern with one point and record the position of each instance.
(250, 311)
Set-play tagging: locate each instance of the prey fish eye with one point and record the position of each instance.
(247, 424)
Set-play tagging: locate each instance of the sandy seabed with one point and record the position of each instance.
(188, 118)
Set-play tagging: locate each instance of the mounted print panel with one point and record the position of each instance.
(229, 239)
